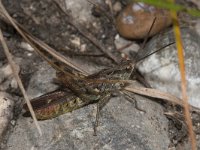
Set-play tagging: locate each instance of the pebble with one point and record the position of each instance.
(76, 41)
(121, 42)
(117, 7)
(6, 111)
(135, 20)
(26, 46)
(77, 10)
(6, 77)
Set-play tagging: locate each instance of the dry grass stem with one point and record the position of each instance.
(159, 95)
(12, 64)
(179, 45)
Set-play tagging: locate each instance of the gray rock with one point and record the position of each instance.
(42, 81)
(161, 69)
(121, 127)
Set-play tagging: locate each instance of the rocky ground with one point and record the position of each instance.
(122, 126)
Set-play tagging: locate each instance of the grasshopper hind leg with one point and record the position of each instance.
(102, 102)
(133, 101)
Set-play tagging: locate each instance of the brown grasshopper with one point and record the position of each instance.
(79, 88)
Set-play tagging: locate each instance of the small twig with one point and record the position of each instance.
(12, 64)
(87, 55)
(109, 2)
(125, 46)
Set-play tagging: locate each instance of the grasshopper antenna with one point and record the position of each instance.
(141, 50)
(137, 58)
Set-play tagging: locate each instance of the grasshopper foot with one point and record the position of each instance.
(133, 101)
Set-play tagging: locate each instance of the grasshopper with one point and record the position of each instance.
(79, 88)
(79, 92)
